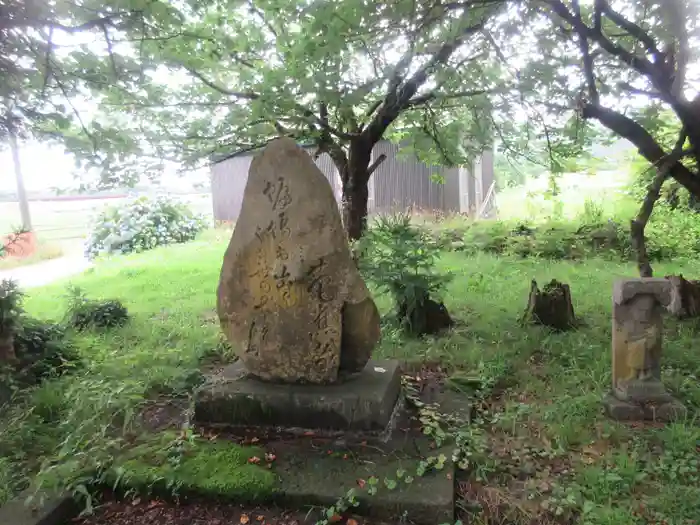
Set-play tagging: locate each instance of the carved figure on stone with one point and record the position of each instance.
(637, 390)
(290, 298)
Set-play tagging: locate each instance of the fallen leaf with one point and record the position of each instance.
(260, 518)
(254, 440)
(135, 501)
(351, 522)
(309, 433)
(335, 518)
(244, 519)
(254, 460)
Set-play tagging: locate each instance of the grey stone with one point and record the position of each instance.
(621, 410)
(364, 403)
(290, 298)
(51, 509)
(321, 479)
(625, 290)
(637, 344)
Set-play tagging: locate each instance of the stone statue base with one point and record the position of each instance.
(666, 411)
(364, 403)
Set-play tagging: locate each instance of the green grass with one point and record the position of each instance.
(195, 466)
(546, 420)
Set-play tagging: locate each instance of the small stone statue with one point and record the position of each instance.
(637, 390)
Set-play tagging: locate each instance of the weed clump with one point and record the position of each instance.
(84, 313)
(397, 257)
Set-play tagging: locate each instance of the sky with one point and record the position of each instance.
(46, 166)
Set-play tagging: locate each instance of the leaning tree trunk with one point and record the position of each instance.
(550, 307)
(638, 224)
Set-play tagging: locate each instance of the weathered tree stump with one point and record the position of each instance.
(424, 317)
(551, 306)
(687, 293)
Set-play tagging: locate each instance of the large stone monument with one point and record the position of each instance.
(293, 305)
(637, 391)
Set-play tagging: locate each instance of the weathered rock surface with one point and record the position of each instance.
(290, 298)
(637, 391)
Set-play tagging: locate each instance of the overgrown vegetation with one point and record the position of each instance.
(538, 392)
(84, 313)
(672, 233)
(142, 224)
(396, 257)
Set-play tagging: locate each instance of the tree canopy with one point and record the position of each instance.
(197, 81)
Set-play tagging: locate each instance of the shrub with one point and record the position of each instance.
(44, 350)
(10, 312)
(399, 259)
(84, 313)
(142, 224)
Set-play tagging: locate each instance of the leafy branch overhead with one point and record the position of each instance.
(636, 60)
(322, 73)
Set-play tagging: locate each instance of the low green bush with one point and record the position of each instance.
(45, 350)
(142, 224)
(84, 313)
(670, 234)
(397, 257)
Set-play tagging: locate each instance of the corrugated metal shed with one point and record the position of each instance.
(399, 183)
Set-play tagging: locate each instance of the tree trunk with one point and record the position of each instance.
(355, 188)
(355, 210)
(550, 307)
(21, 192)
(638, 224)
(688, 293)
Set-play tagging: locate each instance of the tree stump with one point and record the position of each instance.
(688, 293)
(424, 317)
(551, 306)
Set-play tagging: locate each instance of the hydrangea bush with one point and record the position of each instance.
(142, 224)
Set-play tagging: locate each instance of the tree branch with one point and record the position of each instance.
(220, 89)
(375, 164)
(645, 143)
(587, 58)
(429, 97)
(638, 224)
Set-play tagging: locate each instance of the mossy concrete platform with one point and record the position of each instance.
(307, 480)
(49, 509)
(362, 403)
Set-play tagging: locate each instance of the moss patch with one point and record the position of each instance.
(195, 467)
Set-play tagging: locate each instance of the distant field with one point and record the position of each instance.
(607, 189)
(68, 221)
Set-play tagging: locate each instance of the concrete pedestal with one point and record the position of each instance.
(363, 403)
(671, 410)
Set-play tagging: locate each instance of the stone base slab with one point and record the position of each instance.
(363, 403)
(319, 480)
(51, 509)
(620, 410)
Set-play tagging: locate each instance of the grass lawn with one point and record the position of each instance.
(544, 449)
